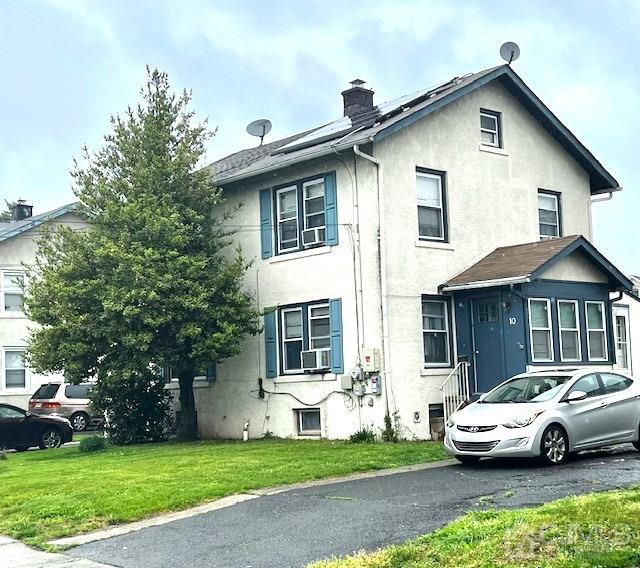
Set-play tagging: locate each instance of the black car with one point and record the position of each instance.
(21, 430)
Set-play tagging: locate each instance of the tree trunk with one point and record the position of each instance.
(187, 427)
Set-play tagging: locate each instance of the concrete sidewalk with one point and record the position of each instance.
(14, 554)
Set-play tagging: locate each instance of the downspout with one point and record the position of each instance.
(382, 271)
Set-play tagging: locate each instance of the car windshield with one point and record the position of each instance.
(527, 389)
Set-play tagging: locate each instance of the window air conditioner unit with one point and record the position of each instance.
(316, 359)
(312, 237)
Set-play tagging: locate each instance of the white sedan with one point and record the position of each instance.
(548, 414)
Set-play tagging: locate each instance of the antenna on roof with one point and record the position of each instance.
(259, 128)
(509, 51)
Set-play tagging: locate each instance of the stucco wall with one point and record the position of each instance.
(577, 268)
(492, 202)
(14, 327)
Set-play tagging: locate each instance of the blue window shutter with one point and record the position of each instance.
(331, 208)
(212, 372)
(270, 344)
(335, 319)
(265, 223)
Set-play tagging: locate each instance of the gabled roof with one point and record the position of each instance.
(527, 262)
(15, 228)
(386, 119)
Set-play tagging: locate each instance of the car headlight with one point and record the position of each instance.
(522, 421)
(450, 423)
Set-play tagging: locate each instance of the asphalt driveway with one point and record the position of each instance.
(302, 525)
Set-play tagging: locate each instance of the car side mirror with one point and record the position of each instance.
(576, 396)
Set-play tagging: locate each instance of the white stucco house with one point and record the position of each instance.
(411, 253)
(18, 246)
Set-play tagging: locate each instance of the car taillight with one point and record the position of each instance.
(32, 404)
(50, 405)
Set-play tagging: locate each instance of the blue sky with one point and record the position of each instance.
(66, 65)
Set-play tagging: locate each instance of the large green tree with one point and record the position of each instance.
(153, 279)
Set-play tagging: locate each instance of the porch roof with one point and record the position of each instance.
(517, 264)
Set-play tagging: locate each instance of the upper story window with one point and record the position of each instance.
(490, 128)
(540, 329)
(12, 291)
(596, 331)
(300, 215)
(435, 332)
(432, 214)
(549, 214)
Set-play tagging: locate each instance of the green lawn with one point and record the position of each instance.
(55, 493)
(600, 530)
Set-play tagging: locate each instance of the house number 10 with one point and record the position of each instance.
(513, 321)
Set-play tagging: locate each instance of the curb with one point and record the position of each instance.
(232, 500)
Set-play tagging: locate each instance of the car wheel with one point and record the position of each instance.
(79, 421)
(554, 447)
(50, 438)
(468, 460)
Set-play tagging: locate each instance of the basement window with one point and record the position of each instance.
(309, 422)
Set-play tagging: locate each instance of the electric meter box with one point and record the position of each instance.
(371, 360)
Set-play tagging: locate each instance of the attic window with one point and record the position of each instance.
(490, 131)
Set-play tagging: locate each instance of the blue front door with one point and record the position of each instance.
(488, 344)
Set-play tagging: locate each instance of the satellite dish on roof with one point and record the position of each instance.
(259, 128)
(509, 51)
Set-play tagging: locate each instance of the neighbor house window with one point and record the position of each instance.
(309, 422)
(287, 211)
(431, 205)
(549, 214)
(490, 134)
(540, 330)
(569, 330)
(596, 331)
(15, 372)
(12, 291)
(622, 342)
(435, 332)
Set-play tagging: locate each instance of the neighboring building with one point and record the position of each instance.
(18, 246)
(389, 235)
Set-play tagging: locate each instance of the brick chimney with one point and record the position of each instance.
(20, 210)
(357, 99)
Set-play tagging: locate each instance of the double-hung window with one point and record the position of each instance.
(15, 372)
(314, 230)
(435, 332)
(622, 339)
(540, 330)
(549, 214)
(596, 331)
(288, 222)
(431, 205)
(569, 330)
(292, 339)
(305, 328)
(13, 291)
(490, 131)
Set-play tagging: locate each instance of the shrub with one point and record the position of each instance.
(363, 436)
(136, 408)
(389, 434)
(92, 444)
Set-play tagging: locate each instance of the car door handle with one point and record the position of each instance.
(604, 404)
